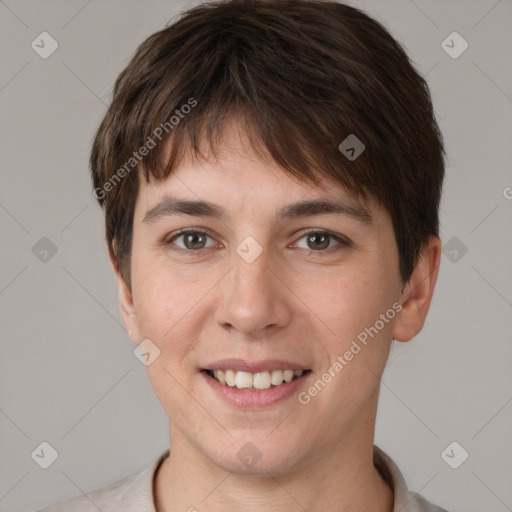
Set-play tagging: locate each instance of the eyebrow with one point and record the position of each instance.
(170, 206)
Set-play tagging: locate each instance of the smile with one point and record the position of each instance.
(259, 381)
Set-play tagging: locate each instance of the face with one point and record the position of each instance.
(266, 281)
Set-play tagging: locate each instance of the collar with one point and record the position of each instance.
(140, 492)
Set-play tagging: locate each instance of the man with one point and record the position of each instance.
(271, 174)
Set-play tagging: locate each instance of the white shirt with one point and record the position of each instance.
(134, 493)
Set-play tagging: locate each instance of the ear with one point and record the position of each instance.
(126, 302)
(418, 291)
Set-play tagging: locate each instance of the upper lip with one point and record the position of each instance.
(254, 366)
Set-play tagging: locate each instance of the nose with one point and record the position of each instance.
(254, 298)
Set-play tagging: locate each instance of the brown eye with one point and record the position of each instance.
(318, 240)
(192, 240)
(196, 240)
(319, 243)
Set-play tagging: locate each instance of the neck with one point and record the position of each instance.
(342, 478)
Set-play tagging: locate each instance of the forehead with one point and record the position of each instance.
(233, 206)
(234, 176)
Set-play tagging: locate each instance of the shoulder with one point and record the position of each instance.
(418, 503)
(405, 500)
(133, 493)
(107, 499)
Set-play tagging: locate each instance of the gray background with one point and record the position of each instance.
(68, 373)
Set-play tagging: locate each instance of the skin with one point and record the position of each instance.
(287, 304)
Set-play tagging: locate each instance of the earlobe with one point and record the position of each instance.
(125, 301)
(417, 293)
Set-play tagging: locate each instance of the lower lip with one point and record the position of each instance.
(246, 399)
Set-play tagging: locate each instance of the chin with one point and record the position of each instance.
(256, 456)
(262, 468)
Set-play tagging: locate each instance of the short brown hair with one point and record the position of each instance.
(301, 76)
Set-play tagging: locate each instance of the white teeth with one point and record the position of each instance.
(277, 377)
(255, 381)
(243, 380)
(288, 375)
(230, 377)
(261, 380)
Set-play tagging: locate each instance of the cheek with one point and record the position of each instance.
(347, 307)
(357, 351)
(167, 312)
(346, 300)
(166, 304)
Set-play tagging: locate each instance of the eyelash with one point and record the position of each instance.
(342, 242)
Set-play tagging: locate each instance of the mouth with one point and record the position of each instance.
(258, 382)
